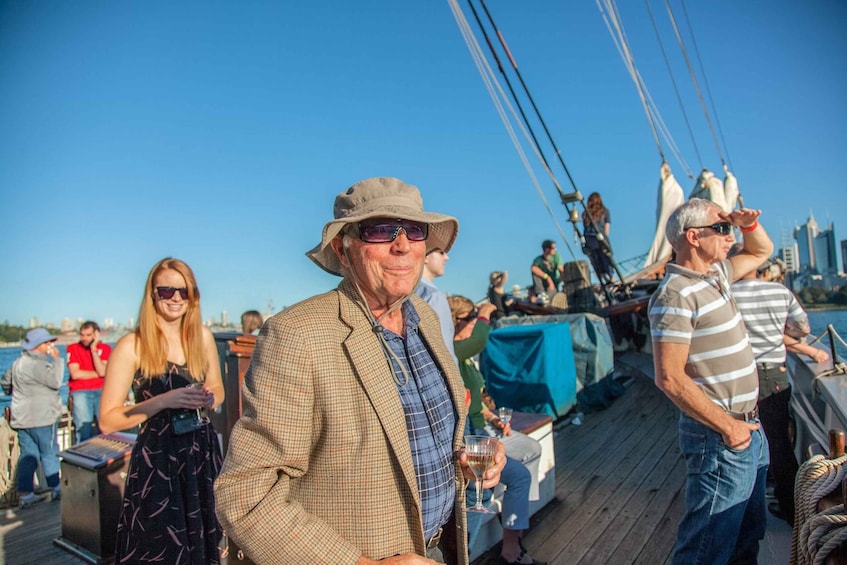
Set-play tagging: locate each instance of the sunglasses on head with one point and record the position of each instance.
(383, 230)
(167, 292)
(723, 228)
(472, 315)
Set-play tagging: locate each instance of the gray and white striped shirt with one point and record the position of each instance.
(697, 309)
(769, 310)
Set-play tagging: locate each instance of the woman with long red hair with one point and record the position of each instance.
(170, 363)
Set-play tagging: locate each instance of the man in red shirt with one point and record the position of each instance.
(87, 366)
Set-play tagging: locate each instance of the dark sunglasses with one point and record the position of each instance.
(472, 315)
(167, 292)
(723, 228)
(382, 230)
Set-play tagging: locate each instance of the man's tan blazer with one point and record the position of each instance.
(319, 468)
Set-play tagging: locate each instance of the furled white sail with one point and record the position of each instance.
(730, 187)
(670, 198)
(710, 187)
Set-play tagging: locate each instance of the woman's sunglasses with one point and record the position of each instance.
(723, 228)
(382, 230)
(470, 316)
(167, 292)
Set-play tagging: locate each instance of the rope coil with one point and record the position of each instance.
(817, 534)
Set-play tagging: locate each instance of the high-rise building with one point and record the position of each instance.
(34, 322)
(805, 236)
(816, 250)
(67, 325)
(826, 254)
(224, 318)
(789, 255)
(844, 254)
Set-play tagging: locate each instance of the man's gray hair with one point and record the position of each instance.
(695, 212)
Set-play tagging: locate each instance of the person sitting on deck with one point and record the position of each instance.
(547, 269)
(497, 295)
(704, 364)
(471, 335)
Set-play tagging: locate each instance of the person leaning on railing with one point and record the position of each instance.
(33, 380)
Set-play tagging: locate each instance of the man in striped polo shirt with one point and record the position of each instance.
(775, 321)
(704, 364)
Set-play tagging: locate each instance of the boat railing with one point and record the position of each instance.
(819, 393)
(839, 367)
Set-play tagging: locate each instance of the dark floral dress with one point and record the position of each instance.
(168, 512)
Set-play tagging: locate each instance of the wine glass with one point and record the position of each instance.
(505, 415)
(480, 451)
(202, 417)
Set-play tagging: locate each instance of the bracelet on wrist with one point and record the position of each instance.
(750, 228)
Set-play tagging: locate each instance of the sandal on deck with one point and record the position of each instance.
(521, 558)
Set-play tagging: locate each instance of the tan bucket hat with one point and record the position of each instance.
(381, 197)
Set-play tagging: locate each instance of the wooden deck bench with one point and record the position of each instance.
(484, 530)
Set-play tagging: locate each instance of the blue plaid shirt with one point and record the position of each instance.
(430, 420)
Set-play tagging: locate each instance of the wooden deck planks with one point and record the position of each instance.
(26, 536)
(583, 532)
(619, 480)
(628, 503)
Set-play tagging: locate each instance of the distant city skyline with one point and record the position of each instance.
(811, 256)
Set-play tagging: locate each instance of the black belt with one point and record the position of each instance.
(745, 416)
(433, 541)
(769, 366)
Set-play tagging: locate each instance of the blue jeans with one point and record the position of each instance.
(86, 406)
(724, 498)
(38, 444)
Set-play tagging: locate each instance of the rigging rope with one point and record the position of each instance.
(694, 80)
(611, 17)
(673, 82)
(498, 96)
(525, 88)
(706, 82)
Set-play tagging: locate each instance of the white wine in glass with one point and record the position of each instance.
(505, 415)
(480, 451)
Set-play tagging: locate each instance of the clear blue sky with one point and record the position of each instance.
(220, 132)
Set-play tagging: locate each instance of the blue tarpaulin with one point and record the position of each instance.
(531, 368)
(592, 343)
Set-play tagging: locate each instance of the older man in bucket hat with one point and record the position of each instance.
(33, 380)
(348, 447)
